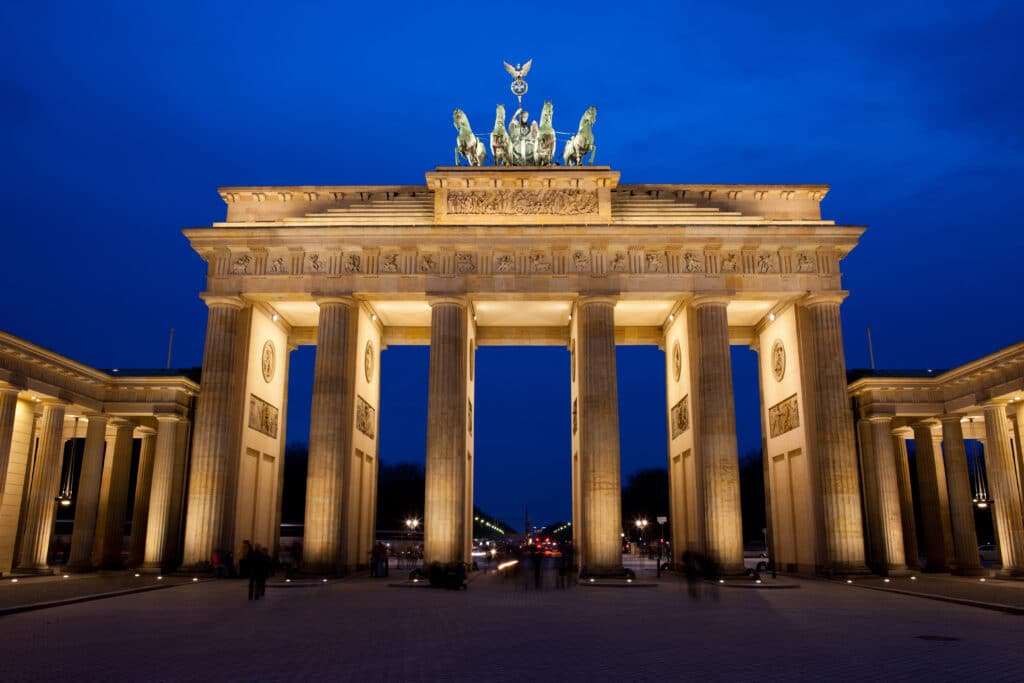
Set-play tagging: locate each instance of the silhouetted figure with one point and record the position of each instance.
(259, 569)
(694, 571)
(536, 557)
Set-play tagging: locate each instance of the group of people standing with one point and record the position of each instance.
(254, 564)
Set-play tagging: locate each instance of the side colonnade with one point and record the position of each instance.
(937, 412)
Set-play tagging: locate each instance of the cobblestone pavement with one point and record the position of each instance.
(26, 590)
(500, 630)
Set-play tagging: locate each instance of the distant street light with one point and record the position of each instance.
(412, 524)
(641, 524)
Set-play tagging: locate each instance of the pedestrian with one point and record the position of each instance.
(258, 565)
(536, 557)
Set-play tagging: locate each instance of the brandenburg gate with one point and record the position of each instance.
(540, 255)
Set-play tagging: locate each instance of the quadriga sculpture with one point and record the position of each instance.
(546, 136)
(581, 143)
(501, 143)
(467, 144)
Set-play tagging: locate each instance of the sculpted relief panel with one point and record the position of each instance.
(783, 417)
(680, 418)
(366, 417)
(522, 202)
(262, 416)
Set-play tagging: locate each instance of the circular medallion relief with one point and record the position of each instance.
(368, 361)
(268, 360)
(778, 360)
(677, 361)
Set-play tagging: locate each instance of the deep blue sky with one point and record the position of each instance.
(120, 119)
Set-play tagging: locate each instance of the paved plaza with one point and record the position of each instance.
(365, 629)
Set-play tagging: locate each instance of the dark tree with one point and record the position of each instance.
(645, 496)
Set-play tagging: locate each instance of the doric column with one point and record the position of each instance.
(159, 522)
(444, 514)
(716, 434)
(213, 447)
(835, 448)
(892, 557)
(8, 405)
(114, 499)
(938, 539)
(140, 507)
(899, 447)
(38, 516)
(961, 506)
(330, 435)
(599, 437)
(88, 496)
(1006, 501)
(876, 554)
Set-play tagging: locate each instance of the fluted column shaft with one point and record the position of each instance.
(114, 500)
(835, 450)
(158, 514)
(444, 514)
(938, 539)
(716, 436)
(882, 496)
(330, 435)
(39, 513)
(1005, 494)
(886, 484)
(910, 550)
(140, 507)
(961, 505)
(213, 439)
(599, 437)
(8, 406)
(88, 496)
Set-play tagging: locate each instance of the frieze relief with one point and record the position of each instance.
(581, 261)
(351, 264)
(767, 263)
(263, 417)
(504, 263)
(540, 263)
(655, 262)
(805, 264)
(783, 417)
(465, 263)
(278, 265)
(618, 263)
(366, 417)
(730, 263)
(241, 265)
(314, 263)
(694, 263)
(427, 263)
(522, 202)
(389, 263)
(680, 417)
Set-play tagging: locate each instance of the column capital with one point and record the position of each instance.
(951, 417)
(710, 300)
(146, 431)
(9, 388)
(877, 419)
(818, 298)
(928, 423)
(92, 415)
(448, 299)
(342, 299)
(587, 299)
(221, 300)
(168, 417)
(994, 403)
(903, 432)
(120, 423)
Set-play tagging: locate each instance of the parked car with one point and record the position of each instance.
(988, 552)
(755, 561)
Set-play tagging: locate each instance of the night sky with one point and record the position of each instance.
(121, 119)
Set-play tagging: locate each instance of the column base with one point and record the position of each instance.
(36, 570)
(322, 570)
(969, 571)
(1016, 573)
(605, 572)
(81, 567)
(896, 572)
(838, 570)
(150, 568)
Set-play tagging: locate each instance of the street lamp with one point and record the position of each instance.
(412, 524)
(641, 524)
